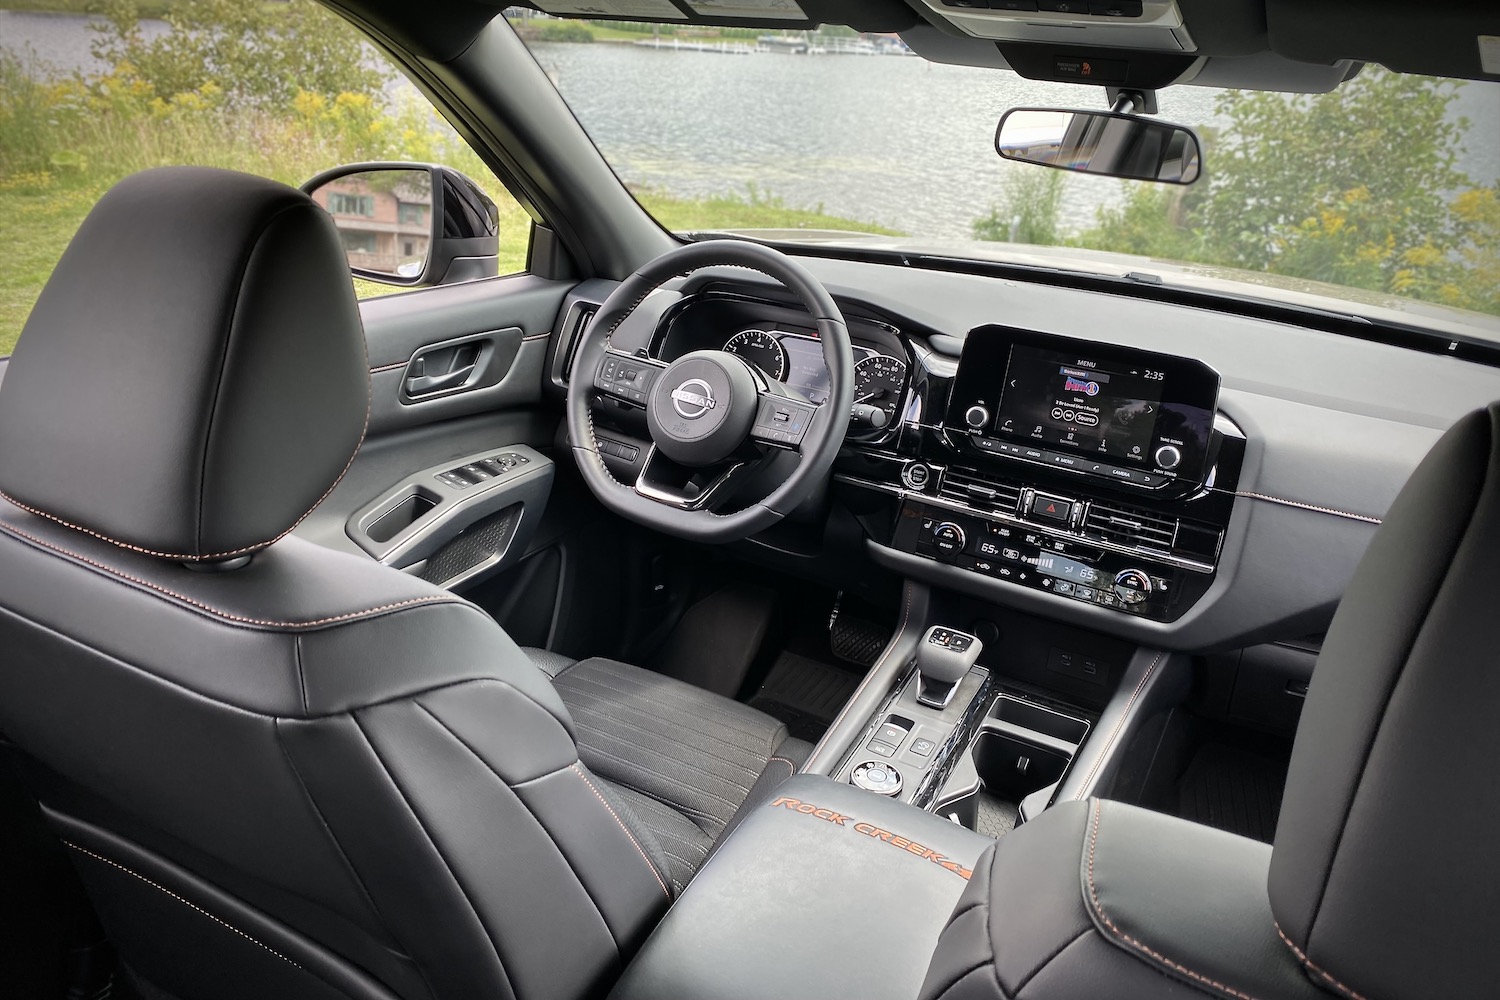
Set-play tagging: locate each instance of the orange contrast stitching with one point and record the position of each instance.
(639, 849)
(1312, 967)
(1164, 960)
(217, 612)
(184, 902)
(1115, 732)
(1309, 506)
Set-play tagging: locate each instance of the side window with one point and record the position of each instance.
(284, 90)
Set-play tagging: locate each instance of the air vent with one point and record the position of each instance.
(970, 488)
(1130, 526)
(571, 337)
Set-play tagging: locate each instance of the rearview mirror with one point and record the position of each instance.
(410, 223)
(1101, 142)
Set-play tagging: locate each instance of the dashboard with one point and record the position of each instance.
(1176, 476)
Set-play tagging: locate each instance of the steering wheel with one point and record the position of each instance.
(711, 414)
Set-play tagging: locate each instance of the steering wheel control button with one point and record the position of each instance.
(948, 538)
(874, 776)
(782, 421)
(917, 476)
(1053, 510)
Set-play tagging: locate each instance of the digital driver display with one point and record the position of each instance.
(1080, 403)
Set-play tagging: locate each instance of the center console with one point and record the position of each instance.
(953, 739)
(823, 891)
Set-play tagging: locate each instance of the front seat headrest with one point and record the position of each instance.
(192, 381)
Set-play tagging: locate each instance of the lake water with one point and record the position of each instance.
(897, 141)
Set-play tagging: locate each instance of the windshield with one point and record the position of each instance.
(1383, 193)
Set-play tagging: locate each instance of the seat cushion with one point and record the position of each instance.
(685, 761)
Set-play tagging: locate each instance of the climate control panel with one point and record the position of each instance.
(1050, 556)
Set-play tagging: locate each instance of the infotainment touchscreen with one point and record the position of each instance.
(1081, 403)
(1129, 415)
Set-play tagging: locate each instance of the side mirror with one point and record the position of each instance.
(413, 224)
(1101, 142)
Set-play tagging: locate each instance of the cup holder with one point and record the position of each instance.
(1011, 768)
(401, 515)
(1025, 715)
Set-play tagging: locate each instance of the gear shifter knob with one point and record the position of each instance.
(944, 657)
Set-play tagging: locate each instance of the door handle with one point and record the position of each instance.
(456, 365)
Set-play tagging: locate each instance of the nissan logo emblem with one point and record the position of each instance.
(693, 398)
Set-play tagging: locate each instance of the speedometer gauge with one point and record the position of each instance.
(761, 349)
(878, 381)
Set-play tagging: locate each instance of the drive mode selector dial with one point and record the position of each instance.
(875, 776)
(1132, 586)
(1168, 456)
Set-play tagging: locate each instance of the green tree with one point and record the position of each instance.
(1029, 211)
(258, 54)
(1359, 187)
(1335, 187)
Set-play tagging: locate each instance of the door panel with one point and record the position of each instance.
(456, 376)
(400, 328)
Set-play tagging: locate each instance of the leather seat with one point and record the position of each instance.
(1383, 878)
(687, 763)
(282, 770)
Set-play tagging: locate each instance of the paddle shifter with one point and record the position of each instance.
(944, 657)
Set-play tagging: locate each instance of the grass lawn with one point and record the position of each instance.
(41, 219)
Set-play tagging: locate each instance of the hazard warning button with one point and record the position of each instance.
(1054, 510)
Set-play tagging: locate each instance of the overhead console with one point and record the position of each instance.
(1127, 24)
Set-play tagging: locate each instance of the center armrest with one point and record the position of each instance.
(826, 890)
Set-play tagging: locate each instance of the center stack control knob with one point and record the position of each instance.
(1132, 586)
(977, 417)
(1168, 456)
(949, 537)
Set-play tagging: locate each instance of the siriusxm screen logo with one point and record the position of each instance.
(1072, 384)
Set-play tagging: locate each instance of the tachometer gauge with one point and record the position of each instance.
(878, 381)
(761, 349)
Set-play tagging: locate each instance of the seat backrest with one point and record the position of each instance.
(1384, 875)
(301, 774)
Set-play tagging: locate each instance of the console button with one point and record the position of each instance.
(921, 747)
(1084, 593)
(1116, 8)
(883, 749)
(891, 733)
(1053, 509)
